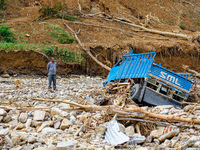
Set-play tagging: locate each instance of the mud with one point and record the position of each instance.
(31, 62)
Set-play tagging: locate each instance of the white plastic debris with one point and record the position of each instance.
(113, 134)
(137, 139)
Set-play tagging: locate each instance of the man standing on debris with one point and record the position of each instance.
(51, 68)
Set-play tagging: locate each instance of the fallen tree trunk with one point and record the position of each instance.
(156, 31)
(139, 112)
(120, 30)
(87, 51)
(164, 117)
(112, 110)
(109, 18)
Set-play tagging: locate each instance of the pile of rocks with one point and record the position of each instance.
(26, 124)
(36, 87)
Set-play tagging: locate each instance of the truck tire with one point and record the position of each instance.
(134, 91)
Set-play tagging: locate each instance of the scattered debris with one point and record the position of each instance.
(27, 35)
(113, 134)
(169, 132)
(5, 75)
(70, 121)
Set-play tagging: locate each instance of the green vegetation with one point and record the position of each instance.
(18, 46)
(6, 34)
(64, 38)
(9, 42)
(165, 21)
(47, 42)
(48, 51)
(54, 27)
(60, 10)
(121, 7)
(64, 54)
(198, 23)
(59, 34)
(182, 25)
(3, 5)
(3, 21)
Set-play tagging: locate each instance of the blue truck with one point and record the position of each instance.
(150, 82)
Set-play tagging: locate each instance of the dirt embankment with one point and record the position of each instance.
(108, 45)
(31, 62)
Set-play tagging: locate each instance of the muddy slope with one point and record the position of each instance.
(108, 45)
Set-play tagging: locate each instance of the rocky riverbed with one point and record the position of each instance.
(27, 124)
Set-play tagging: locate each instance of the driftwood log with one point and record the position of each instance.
(136, 112)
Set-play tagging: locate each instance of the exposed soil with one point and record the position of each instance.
(108, 45)
(31, 62)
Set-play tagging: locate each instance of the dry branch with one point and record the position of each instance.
(186, 67)
(112, 110)
(137, 112)
(195, 7)
(164, 117)
(87, 51)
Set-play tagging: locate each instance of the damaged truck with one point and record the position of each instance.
(150, 82)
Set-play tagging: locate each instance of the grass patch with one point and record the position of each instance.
(54, 27)
(182, 25)
(6, 34)
(3, 21)
(70, 17)
(65, 54)
(59, 34)
(64, 38)
(47, 42)
(59, 10)
(165, 21)
(3, 5)
(18, 46)
(53, 34)
(48, 51)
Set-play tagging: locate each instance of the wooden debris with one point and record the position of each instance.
(141, 27)
(137, 129)
(82, 128)
(115, 109)
(164, 117)
(186, 67)
(17, 84)
(120, 30)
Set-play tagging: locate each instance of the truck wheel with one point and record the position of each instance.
(134, 91)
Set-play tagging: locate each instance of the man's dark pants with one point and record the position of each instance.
(52, 78)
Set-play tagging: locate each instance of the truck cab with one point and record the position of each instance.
(150, 82)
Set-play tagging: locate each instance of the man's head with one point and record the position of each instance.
(52, 59)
